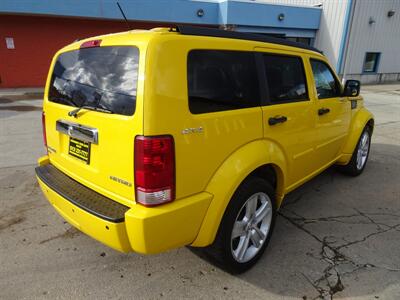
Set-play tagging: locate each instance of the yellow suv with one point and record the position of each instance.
(162, 138)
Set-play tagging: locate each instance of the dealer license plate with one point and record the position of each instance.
(79, 149)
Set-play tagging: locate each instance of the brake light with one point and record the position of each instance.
(90, 44)
(154, 170)
(44, 129)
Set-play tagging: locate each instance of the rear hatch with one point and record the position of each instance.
(94, 145)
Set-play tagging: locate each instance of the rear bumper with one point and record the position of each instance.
(137, 228)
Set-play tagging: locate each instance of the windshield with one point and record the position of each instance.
(104, 77)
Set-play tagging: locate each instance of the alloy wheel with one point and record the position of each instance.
(251, 227)
(362, 151)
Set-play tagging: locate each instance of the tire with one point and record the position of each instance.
(360, 155)
(253, 197)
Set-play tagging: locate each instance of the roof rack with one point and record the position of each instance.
(203, 31)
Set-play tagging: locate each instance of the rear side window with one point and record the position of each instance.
(104, 77)
(286, 78)
(325, 82)
(221, 80)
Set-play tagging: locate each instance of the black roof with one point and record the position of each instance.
(203, 31)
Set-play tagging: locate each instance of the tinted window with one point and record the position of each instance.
(221, 80)
(286, 79)
(325, 82)
(103, 76)
(371, 62)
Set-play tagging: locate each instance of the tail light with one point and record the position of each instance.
(44, 129)
(154, 170)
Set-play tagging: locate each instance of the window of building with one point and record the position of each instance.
(286, 78)
(325, 82)
(221, 80)
(371, 62)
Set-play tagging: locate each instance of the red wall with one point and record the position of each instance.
(36, 40)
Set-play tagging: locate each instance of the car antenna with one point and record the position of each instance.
(126, 20)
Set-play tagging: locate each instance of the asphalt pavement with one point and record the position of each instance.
(336, 236)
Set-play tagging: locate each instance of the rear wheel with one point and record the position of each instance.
(360, 155)
(246, 227)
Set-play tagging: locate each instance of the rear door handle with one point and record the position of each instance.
(276, 120)
(78, 131)
(323, 111)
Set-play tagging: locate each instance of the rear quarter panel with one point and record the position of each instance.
(166, 111)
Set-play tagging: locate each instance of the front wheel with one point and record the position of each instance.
(246, 227)
(360, 155)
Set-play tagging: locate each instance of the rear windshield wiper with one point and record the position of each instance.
(95, 107)
(74, 113)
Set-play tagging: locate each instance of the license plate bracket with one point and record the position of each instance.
(79, 149)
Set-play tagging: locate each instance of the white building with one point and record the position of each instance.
(361, 38)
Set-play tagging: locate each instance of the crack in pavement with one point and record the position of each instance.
(368, 236)
(330, 282)
(10, 222)
(378, 225)
(387, 123)
(69, 233)
(324, 293)
(339, 218)
(329, 180)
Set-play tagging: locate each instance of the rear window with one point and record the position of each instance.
(105, 77)
(221, 80)
(286, 79)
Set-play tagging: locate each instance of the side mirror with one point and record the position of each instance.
(352, 88)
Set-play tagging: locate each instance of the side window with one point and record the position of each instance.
(286, 79)
(221, 80)
(325, 82)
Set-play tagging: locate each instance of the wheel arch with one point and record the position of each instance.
(260, 158)
(274, 174)
(360, 120)
(371, 124)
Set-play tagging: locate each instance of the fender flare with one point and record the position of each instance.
(231, 174)
(361, 118)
